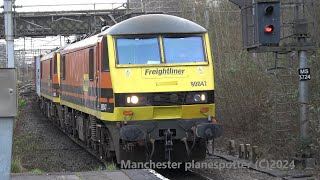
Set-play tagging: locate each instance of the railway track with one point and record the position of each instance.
(82, 145)
(181, 174)
(165, 174)
(174, 174)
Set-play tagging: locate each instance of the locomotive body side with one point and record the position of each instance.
(82, 80)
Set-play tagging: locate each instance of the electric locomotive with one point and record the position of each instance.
(141, 90)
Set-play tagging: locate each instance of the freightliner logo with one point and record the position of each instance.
(164, 71)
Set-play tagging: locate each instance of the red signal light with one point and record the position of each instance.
(268, 29)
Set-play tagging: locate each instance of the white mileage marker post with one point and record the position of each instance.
(304, 74)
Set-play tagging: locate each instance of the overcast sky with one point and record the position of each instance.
(99, 4)
(52, 42)
(43, 2)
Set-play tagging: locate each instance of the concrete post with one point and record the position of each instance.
(6, 124)
(304, 102)
(6, 127)
(9, 32)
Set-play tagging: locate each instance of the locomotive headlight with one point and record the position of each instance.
(134, 99)
(174, 97)
(200, 98)
(197, 98)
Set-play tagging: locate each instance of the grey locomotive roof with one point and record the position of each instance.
(154, 24)
(49, 55)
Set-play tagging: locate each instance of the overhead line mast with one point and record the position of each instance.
(7, 96)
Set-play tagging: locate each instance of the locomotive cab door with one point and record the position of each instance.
(91, 81)
(97, 72)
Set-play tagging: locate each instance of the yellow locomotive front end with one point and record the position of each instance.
(163, 85)
(162, 77)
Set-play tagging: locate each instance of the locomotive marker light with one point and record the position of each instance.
(200, 97)
(268, 22)
(203, 97)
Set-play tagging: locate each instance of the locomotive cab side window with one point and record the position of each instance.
(105, 56)
(91, 65)
(50, 61)
(63, 72)
(55, 64)
(41, 69)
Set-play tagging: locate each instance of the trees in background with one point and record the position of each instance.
(244, 91)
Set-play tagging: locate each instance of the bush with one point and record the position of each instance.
(36, 171)
(16, 166)
(22, 103)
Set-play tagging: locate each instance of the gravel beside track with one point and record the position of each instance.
(232, 173)
(39, 144)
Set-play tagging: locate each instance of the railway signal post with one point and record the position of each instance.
(8, 97)
(265, 29)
